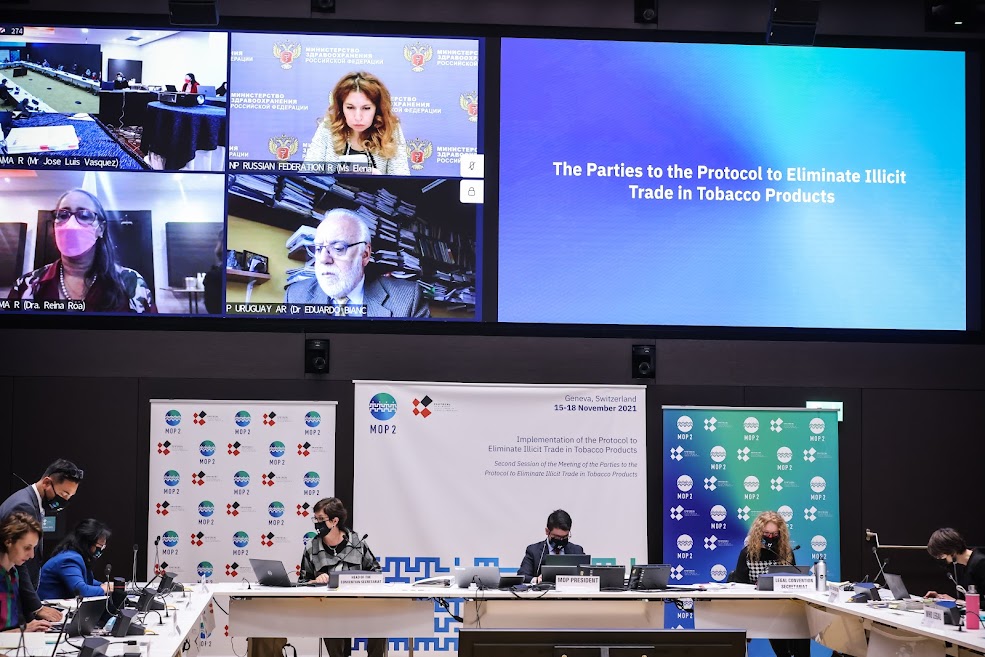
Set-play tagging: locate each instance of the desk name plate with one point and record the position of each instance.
(577, 584)
(793, 583)
(351, 581)
(933, 616)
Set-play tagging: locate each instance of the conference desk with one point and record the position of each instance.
(176, 636)
(402, 610)
(190, 138)
(82, 82)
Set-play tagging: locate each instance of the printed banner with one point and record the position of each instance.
(724, 466)
(231, 481)
(450, 474)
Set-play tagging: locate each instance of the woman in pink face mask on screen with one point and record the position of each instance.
(86, 276)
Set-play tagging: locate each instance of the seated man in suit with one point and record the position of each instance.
(558, 529)
(341, 252)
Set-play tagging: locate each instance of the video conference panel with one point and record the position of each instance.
(138, 179)
(277, 174)
(732, 185)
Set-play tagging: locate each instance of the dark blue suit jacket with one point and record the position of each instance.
(530, 567)
(26, 501)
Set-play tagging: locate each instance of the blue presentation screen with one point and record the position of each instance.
(732, 185)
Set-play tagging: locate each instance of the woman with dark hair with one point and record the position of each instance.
(338, 548)
(87, 270)
(360, 122)
(68, 573)
(190, 85)
(965, 563)
(19, 535)
(768, 544)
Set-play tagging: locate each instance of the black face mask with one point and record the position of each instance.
(559, 543)
(770, 543)
(97, 553)
(322, 529)
(56, 504)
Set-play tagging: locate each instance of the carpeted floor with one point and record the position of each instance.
(63, 97)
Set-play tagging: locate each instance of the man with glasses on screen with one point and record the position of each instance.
(341, 252)
(48, 496)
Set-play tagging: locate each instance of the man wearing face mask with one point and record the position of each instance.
(68, 573)
(338, 548)
(48, 496)
(558, 530)
(964, 564)
(86, 271)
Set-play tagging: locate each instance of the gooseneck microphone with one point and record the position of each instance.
(783, 562)
(962, 590)
(133, 576)
(541, 561)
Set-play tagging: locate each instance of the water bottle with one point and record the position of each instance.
(971, 608)
(820, 576)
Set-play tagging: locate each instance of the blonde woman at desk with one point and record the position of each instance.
(768, 544)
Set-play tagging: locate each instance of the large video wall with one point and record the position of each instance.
(350, 177)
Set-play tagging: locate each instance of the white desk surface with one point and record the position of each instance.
(399, 590)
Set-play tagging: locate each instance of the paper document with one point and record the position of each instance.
(42, 139)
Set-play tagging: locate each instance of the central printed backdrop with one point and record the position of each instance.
(453, 474)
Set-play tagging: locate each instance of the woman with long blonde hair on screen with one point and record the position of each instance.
(360, 121)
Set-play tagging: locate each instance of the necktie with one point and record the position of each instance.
(341, 301)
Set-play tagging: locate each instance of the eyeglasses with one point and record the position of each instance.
(337, 249)
(771, 534)
(319, 519)
(83, 216)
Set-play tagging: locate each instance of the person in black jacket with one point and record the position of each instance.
(967, 565)
(48, 496)
(768, 544)
(558, 530)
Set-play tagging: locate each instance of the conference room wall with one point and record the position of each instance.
(22, 208)
(911, 411)
(203, 53)
(119, 52)
(848, 17)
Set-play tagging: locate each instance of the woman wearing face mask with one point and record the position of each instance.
(68, 573)
(964, 564)
(87, 270)
(337, 548)
(19, 535)
(768, 544)
(360, 122)
(190, 85)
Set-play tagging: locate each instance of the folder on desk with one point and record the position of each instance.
(42, 139)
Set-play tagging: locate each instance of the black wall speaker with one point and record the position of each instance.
(194, 13)
(645, 11)
(793, 22)
(316, 356)
(644, 361)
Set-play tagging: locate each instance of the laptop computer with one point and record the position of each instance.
(87, 617)
(611, 578)
(567, 560)
(788, 570)
(899, 593)
(271, 572)
(170, 87)
(649, 577)
(486, 577)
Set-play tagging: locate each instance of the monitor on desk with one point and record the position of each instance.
(585, 642)
(567, 560)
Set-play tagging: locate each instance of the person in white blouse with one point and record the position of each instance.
(360, 122)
